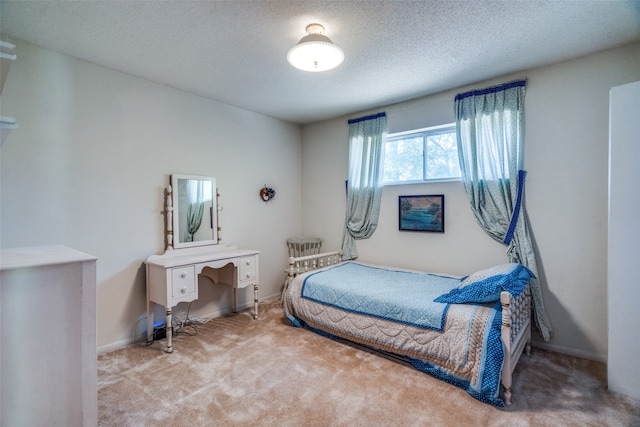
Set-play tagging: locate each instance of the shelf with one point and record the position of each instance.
(7, 124)
(7, 56)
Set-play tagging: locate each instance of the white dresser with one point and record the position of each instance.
(48, 352)
(172, 277)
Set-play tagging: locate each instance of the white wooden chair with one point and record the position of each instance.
(303, 246)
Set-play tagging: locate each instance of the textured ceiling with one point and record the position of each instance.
(235, 51)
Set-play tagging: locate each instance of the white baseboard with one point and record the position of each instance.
(270, 298)
(218, 313)
(569, 351)
(116, 345)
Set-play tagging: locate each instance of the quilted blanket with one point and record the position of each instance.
(401, 296)
(392, 310)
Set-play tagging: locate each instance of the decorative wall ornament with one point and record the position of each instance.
(267, 193)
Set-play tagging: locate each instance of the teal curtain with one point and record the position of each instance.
(195, 210)
(490, 132)
(364, 185)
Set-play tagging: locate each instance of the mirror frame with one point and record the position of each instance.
(175, 197)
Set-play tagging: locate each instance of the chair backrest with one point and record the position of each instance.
(303, 246)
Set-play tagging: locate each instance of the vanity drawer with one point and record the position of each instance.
(248, 268)
(183, 281)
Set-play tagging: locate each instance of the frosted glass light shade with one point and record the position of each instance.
(315, 52)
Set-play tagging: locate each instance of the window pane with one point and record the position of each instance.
(421, 155)
(403, 160)
(442, 156)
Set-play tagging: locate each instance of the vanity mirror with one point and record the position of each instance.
(191, 206)
(194, 210)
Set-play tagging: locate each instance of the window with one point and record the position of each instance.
(428, 154)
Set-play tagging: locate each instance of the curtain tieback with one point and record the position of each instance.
(516, 210)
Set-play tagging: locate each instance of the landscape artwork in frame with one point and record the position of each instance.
(421, 213)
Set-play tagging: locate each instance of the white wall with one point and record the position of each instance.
(90, 159)
(566, 109)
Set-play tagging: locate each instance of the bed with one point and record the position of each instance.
(468, 331)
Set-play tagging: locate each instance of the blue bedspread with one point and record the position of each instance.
(401, 296)
(393, 311)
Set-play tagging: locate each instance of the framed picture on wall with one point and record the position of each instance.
(421, 213)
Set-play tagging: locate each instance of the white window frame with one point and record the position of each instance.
(425, 132)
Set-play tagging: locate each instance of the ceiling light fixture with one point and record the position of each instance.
(315, 51)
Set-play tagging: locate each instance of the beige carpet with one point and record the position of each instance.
(242, 372)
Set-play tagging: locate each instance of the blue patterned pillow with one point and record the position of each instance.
(486, 285)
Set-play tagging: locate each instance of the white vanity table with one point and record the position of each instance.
(173, 277)
(194, 250)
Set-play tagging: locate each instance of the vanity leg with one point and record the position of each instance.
(235, 299)
(255, 301)
(150, 321)
(169, 334)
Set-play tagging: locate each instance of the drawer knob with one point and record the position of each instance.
(183, 290)
(248, 262)
(248, 275)
(183, 275)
